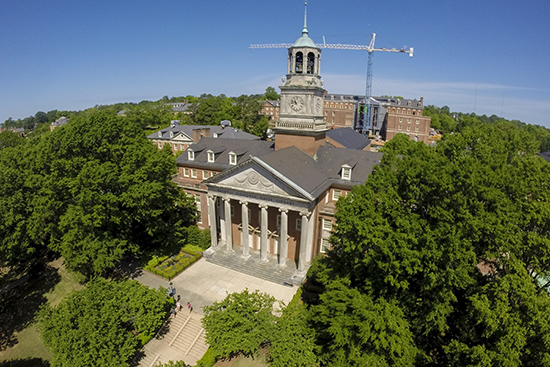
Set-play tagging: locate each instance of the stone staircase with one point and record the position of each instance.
(187, 335)
(184, 340)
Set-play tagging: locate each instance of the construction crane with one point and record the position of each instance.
(338, 46)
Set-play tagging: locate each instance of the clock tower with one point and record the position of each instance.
(301, 115)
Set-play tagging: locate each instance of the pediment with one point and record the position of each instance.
(182, 137)
(256, 179)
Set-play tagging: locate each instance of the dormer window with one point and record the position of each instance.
(190, 154)
(211, 156)
(160, 134)
(171, 134)
(346, 172)
(215, 135)
(232, 158)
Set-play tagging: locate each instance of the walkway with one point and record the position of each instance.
(201, 284)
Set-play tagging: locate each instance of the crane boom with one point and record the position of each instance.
(339, 46)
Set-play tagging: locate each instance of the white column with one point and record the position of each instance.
(245, 237)
(303, 242)
(228, 235)
(310, 230)
(212, 221)
(283, 239)
(263, 234)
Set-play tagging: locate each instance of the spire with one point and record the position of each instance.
(304, 31)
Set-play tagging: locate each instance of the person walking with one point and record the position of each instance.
(189, 307)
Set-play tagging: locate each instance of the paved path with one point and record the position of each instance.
(203, 284)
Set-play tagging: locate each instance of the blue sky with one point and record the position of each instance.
(488, 57)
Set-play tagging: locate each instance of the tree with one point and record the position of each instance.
(97, 326)
(293, 342)
(10, 139)
(240, 323)
(271, 94)
(448, 235)
(354, 330)
(95, 190)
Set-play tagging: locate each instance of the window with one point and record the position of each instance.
(198, 204)
(204, 175)
(327, 225)
(191, 155)
(346, 172)
(401, 119)
(336, 194)
(399, 127)
(325, 245)
(211, 156)
(186, 172)
(298, 224)
(232, 158)
(278, 221)
(160, 134)
(171, 134)
(181, 146)
(194, 173)
(408, 121)
(159, 145)
(417, 121)
(408, 128)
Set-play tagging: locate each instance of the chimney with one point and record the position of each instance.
(422, 100)
(196, 135)
(205, 132)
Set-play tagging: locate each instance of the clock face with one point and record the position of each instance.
(296, 103)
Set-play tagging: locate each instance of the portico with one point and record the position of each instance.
(270, 225)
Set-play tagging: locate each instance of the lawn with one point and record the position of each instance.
(19, 329)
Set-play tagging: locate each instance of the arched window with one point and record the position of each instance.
(310, 63)
(299, 62)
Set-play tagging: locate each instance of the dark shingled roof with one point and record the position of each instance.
(349, 138)
(221, 147)
(316, 174)
(228, 132)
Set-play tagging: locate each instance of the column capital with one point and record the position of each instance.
(283, 210)
(242, 202)
(263, 206)
(305, 214)
(226, 199)
(211, 196)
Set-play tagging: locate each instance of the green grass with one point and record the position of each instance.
(259, 360)
(29, 343)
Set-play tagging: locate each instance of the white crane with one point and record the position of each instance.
(339, 46)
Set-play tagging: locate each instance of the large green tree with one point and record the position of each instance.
(240, 323)
(100, 325)
(448, 236)
(92, 190)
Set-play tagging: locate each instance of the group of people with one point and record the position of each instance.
(177, 308)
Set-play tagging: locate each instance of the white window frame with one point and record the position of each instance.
(336, 194)
(325, 245)
(346, 173)
(193, 173)
(326, 224)
(190, 155)
(159, 145)
(211, 156)
(186, 172)
(204, 175)
(232, 158)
